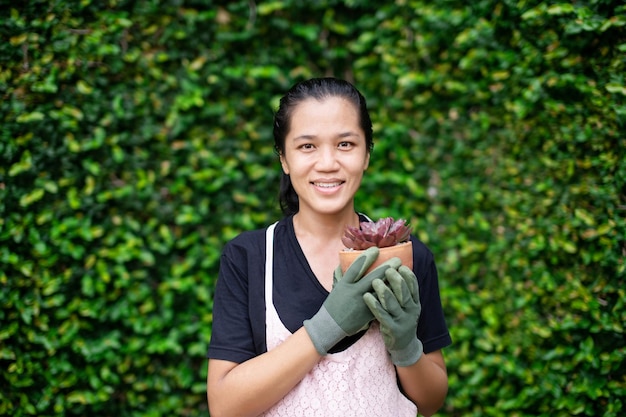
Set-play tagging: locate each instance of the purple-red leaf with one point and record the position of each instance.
(382, 233)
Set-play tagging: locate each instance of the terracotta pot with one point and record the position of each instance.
(404, 251)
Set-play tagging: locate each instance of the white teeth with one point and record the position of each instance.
(326, 184)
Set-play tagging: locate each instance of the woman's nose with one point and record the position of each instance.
(327, 160)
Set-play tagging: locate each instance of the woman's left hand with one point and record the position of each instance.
(397, 308)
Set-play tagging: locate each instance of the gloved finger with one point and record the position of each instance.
(361, 264)
(379, 271)
(387, 298)
(337, 275)
(375, 307)
(399, 286)
(411, 281)
(379, 288)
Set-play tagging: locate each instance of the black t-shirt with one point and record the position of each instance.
(238, 331)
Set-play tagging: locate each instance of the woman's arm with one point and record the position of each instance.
(426, 382)
(252, 387)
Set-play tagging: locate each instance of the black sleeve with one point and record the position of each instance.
(432, 330)
(235, 334)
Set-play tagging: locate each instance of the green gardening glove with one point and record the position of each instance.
(397, 307)
(344, 311)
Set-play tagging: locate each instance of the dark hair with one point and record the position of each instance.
(319, 89)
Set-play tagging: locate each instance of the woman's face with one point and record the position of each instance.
(325, 155)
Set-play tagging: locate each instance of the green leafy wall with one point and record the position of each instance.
(135, 140)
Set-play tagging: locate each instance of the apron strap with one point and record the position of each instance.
(269, 264)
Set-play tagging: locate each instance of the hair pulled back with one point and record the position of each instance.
(319, 89)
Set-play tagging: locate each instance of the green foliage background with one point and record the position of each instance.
(135, 141)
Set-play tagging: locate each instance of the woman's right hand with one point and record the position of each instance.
(344, 311)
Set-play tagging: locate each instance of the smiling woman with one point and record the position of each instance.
(323, 341)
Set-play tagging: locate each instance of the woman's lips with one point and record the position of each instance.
(327, 184)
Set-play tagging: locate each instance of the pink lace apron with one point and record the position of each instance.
(360, 381)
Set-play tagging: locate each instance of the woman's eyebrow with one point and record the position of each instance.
(347, 134)
(312, 136)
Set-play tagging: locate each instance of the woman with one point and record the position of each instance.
(291, 335)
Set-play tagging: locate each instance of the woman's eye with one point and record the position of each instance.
(307, 146)
(345, 145)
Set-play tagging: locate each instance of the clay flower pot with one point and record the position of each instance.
(404, 251)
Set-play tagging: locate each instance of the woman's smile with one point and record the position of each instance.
(327, 187)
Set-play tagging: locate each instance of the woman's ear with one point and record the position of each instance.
(283, 163)
(367, 161)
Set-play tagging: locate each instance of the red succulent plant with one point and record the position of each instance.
(382, 233)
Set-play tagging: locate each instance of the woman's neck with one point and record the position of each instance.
(322, 226)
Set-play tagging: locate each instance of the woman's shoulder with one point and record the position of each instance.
(250, 240)
(420, 247)
(247, 241)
